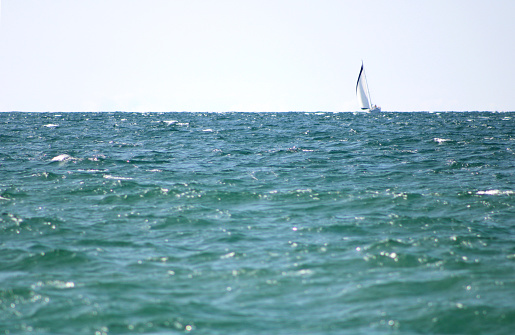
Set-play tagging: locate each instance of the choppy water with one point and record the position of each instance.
(247, 223)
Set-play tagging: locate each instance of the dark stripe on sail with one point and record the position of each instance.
(357, 83)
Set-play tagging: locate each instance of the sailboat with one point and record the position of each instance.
(363, 93)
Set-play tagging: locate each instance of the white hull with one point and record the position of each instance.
(374, 109)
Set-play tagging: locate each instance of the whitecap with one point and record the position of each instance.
(229, 255)
(209, 130)
(62, 158)
(91, 170)
(61, 284)
(169, 122)
(108, 176)
(300, 273)
(441, 140)
(495, 192)
(305, 272)
(51, 125)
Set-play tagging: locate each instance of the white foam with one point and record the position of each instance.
(60, 284)
(229, 255)
(441, 140)
(495, 192)
(108, 176)
(62, 158)
(51, 125)
(169, 122)
(91, 170)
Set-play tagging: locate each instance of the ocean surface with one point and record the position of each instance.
(257, 223)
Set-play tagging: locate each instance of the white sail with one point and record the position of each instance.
(361, 90)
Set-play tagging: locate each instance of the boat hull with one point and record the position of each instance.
(371, 110)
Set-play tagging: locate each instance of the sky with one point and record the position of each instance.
(256, 55)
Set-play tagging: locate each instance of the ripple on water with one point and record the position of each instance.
(239, 223)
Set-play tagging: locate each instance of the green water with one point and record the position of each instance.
(249, 223)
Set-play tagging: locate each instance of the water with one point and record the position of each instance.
(249, 223)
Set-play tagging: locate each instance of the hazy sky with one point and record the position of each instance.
(263, 55)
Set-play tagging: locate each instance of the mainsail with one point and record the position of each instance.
(362, 89)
